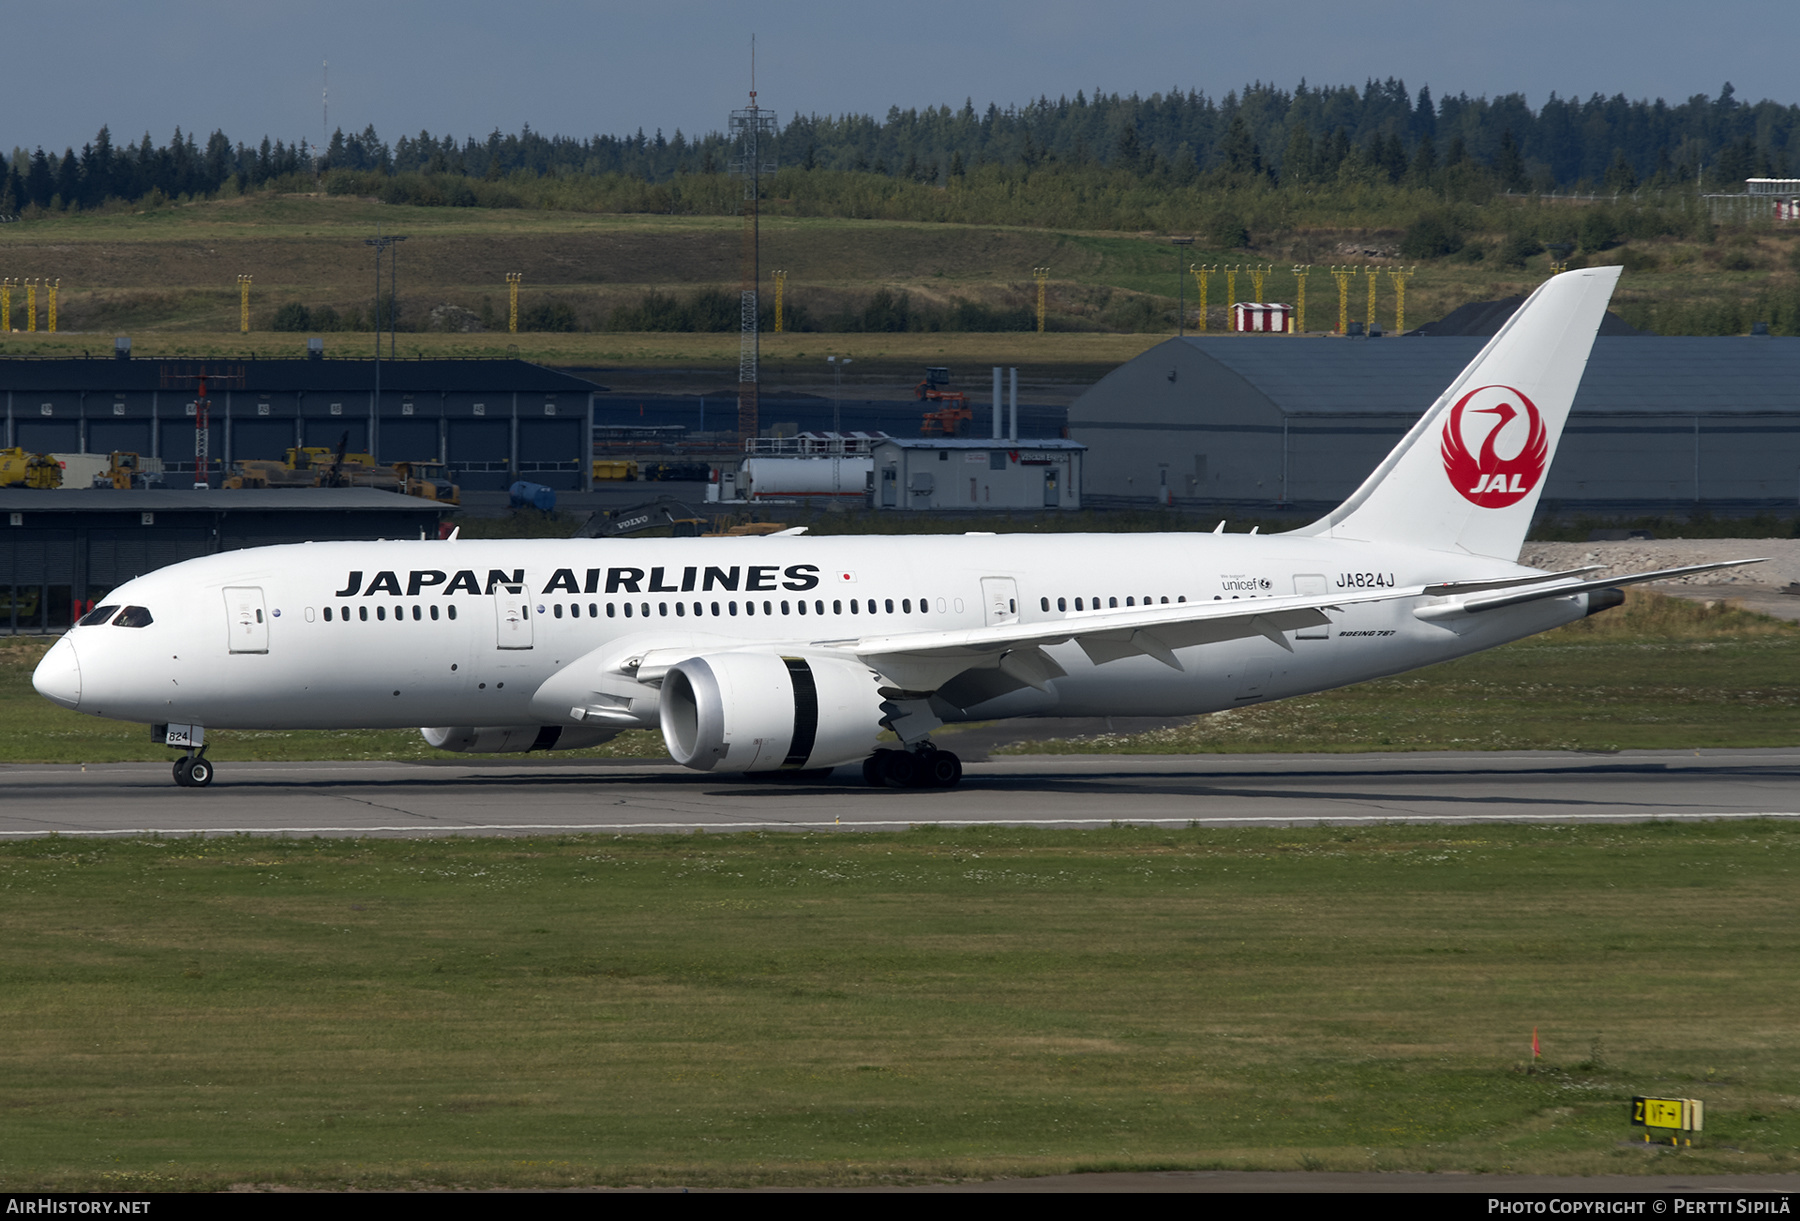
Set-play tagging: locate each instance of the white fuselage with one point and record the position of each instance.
(408, 634)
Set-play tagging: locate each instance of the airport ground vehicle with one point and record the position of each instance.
(791, 653)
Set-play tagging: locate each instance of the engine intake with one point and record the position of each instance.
(757, 712)
(513, 739)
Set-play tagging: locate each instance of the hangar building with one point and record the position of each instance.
(491, 421)
(1659, 423)
(59, 549)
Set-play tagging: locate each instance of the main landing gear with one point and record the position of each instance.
(193, 771)
(929, 768)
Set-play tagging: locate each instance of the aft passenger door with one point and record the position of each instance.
(1000, 595)
(248, 617)
(512, 617)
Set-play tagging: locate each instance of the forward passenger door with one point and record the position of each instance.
(512, 617)
(1000, 595)
(248, 617)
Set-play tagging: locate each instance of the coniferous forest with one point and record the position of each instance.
(1262, 136)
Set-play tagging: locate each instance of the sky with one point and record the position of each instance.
(579, 68)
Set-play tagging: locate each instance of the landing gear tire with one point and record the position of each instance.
(193, 772)
(900, 769)
(942, 770)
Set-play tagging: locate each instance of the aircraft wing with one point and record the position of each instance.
(923, 661)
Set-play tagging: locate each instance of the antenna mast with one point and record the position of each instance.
(753, 133)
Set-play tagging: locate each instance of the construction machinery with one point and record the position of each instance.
(428, 481)
(609, 469)
(268, 473)
(663, 511)
(315, 466)
(126, 470)
(20, 468)
(667, 511)
(948, 419)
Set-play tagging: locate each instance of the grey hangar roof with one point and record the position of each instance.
(1652, 374)
(292, 376)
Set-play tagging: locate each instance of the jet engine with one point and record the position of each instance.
(758, 712)
(511, 739)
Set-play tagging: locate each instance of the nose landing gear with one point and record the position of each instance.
(193, 771)
(929, 768)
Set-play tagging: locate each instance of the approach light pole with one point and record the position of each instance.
(1180, 243)
(380, 244)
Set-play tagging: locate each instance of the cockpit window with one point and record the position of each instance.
(133, 616)
(99, 615)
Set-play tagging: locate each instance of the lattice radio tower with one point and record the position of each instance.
(753, 138)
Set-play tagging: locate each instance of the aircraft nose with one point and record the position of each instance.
(58, 677)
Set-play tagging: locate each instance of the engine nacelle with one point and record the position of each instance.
(512, 739)
(757, 712)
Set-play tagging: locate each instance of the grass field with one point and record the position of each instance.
(173, 271)
(901, 1007)
(1659, 673)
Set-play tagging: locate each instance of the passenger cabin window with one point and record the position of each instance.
(134, 616)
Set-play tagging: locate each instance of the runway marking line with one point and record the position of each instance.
(864, 825)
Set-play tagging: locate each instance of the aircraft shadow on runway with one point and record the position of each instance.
(1401, 786)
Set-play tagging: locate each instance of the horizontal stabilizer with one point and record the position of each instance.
(1497, 601)
(1448, 588)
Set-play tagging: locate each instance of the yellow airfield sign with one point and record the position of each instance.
(1681, 1114)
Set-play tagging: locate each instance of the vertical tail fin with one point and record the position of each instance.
(1468, 475)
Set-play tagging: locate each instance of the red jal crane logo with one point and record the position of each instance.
(1485, 477)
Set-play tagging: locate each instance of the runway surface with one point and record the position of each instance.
(537, 796)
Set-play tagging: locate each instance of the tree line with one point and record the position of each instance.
(1380, 133)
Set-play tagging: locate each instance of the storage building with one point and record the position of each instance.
(976, 473)
(491, 421)
(1659, 424)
